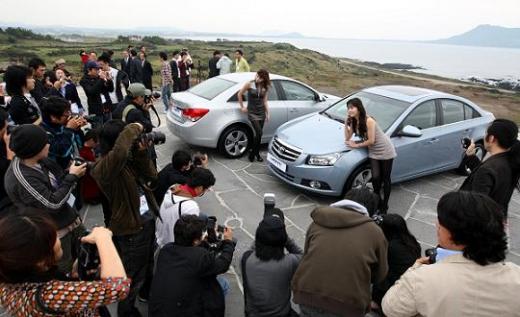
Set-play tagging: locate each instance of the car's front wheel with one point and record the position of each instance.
(361, 177)
(234, 141)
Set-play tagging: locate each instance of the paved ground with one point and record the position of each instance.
(237, 201)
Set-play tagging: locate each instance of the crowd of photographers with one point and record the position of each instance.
(161, 248)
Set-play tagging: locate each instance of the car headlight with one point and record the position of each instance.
(324, 160)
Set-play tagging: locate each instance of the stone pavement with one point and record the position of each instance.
(237, 201)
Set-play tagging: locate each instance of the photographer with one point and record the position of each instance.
(40, 90)
(123, 173)
(185, 281)
(345, 252)
(119, 78)
(22, 107)
(137, 110)
(64, 87)
(29, 283)
(33, 180)
(178, 171)
(63, 130)
(499, 174)
(97, 85)
(474, 280)
(178, 201)
(267, 271)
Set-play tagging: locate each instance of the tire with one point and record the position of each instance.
(480, 152)
(235, 141)
(361, 177)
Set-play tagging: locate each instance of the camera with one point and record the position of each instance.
(155, 136)
(215, 232)
(77, 161)
(269, 201)
(154, 95)
(88, 261)
(466, 142)
(198, 158)
(431, 254)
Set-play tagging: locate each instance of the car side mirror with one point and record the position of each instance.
(410, 131)
(320, 98)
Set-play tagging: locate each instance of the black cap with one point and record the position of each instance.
(28, 140)
(271, 231)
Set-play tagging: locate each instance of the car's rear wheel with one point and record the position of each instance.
(235, 141)
(480, 152)
(361, 177)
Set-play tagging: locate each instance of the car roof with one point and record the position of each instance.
(406, 93)
(243, 77)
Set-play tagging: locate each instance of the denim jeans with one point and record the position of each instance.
(166, 96)
(135, 250)
(224, 284)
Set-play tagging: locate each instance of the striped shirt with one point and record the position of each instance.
(166, 74)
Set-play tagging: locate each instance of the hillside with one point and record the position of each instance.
(323, 72)
(487, 35)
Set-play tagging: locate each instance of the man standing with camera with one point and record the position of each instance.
(97, 85)
(124, 173)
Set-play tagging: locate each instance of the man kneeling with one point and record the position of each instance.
(185, 281)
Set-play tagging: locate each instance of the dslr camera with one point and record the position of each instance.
(77, 161)
(88, 261)
(154, 95)
(155, 136)
(466, 142)
(197, 159)
(215, 235)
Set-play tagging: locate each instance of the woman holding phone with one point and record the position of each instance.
(257, 109)
(381, 151)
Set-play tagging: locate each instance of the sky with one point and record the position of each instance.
(359, 19)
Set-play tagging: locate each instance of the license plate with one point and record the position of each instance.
(276, 162)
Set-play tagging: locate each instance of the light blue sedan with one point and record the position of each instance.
(426, 127)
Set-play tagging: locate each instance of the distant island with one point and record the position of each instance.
(486, 35)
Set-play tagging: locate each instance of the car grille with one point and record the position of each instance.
(285, 151)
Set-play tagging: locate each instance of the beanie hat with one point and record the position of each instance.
(27, 140)
(271, 231)
(506, 131)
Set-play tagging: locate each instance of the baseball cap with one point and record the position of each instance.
(92, 64)
(59, 61)
(138, 90)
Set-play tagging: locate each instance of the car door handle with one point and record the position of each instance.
(432, 141)
(293, 110)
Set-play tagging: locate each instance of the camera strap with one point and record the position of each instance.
(157, 115)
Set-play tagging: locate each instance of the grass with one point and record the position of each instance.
(323, 72)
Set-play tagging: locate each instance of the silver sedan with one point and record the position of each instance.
(209, 115)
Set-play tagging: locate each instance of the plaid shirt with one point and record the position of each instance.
(166, 74)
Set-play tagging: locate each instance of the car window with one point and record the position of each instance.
(470, 113)
(295, 91)
(452, 111)
(422, 117)
(211, 88)
(383, 109)
(271, 96)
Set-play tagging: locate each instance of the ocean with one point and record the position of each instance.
(452, 61)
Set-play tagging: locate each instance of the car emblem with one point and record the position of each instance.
(282, 149)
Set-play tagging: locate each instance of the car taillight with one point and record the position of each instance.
(194, 114)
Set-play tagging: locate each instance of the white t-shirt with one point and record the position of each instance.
(170, 214)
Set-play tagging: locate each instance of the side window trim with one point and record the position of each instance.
(293, 82)
(401, 126)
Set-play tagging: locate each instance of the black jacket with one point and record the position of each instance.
(147, 74)
(122, 78)
(94, 87)
(4, 165)
(136, 71)
(175, 70)
(125, 65)
(39, 91)
(400, 258)
(22, 111)
(213, 70)
(167, 177)
(493, 177)
(185, 281)
(29, 187)
(71, 94)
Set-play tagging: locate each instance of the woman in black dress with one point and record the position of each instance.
(257, 109)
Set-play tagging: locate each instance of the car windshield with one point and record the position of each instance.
(383, 109)
(211, 88)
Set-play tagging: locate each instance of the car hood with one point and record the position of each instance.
(186, 99)
(314, 134)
